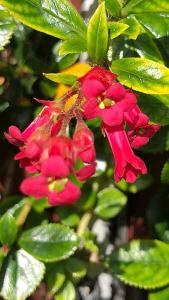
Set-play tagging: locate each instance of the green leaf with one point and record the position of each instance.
(8, 229)
(142, 75)
(156, 107)
(55, 17)
(116, 28)
(50, 242)
(162, 294)
(20, 275)
(68, 216)
(73, 45)
(146, 6)
(68, 79)
(75, 267)
(97, 35)
(113, 7)
(66, 61)
(141, 263)
(7, 27)
(134, 27)
(55, 277)
(146, 47)
(67, 292)
(165, 173)
(110, 202)
(156, 23)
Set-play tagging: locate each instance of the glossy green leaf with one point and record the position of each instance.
(97, 35)
(68, 79)
(142, 75)
(156, 107)
(146, 6)
(8, 229)
(73, 45)
(134, 27)
(141, 263)
(110, 202)
(55, 277)
(50, 242)
(162, 294)
(113, 7)
(116, 28)
(165, 173)
(7, 27)
(67, 292)
(146, 47)
(20, 275)
(156, 23)
(55, 17)
(66, 61)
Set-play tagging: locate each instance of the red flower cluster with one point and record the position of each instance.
(117, 107)
(53, 157)
(47, 150)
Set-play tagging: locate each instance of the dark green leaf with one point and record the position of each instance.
(156, 107)
(113, 7)
(7, 27)
(75, 267)
(68, 79)
(141, 263)
(146, 47)
(54, 17)
(165, 173)
(8, 229)
(68, 216)
(51, 242)
(55, 277)
(116, 28)
(97, 35)
(20, 275)
(142, 75)
(110, 202)
(162, 294)
(159, 142)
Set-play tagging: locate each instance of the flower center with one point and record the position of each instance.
(57, 185)
(106, 103)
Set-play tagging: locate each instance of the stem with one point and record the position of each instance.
(84, 223)
(23, 214)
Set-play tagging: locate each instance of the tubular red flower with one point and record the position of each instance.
(127, 164)
(140, 136)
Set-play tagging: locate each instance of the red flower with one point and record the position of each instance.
(140, 136)
(127, 164)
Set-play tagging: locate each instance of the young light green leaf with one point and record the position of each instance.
(165, 173)
(50, 242)
(20, 275)
(116, 28)
(142, 75)
(7, 28)
(162, 294)
(55, 17)
(68, 79)
(110, 202)
(113, 7)
(141, 263)
(97, 35)
(75, 267)
(73, 45)
(8, 229)
(67, 292)
(134, 27)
